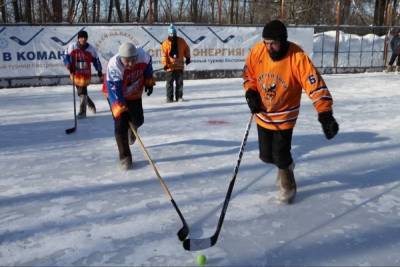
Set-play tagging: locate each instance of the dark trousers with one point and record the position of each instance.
(82, 90)
(84, 99)
(121, 126)
(275, 146)
(393, 58)
(177, 77)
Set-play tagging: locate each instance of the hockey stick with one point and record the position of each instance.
(149, 33)
(142, 46)
(198, 40)
(157, 70)
(71, 130)
(57, 40)
(23, 43)
(203, 243)
(184, 231)
(222, 40)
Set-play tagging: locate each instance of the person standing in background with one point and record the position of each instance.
(78, 59)
(173, 51)
(395, 47)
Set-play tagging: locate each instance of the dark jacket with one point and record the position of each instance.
(395, 44)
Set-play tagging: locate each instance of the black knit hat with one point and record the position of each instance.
(275, 30)
(82, 34)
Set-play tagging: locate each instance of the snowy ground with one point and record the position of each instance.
(64, 201)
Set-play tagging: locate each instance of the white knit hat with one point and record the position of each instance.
(127, 50)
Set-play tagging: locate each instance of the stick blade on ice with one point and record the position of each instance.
(199, 244)
(70, 130)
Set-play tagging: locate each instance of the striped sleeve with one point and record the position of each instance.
(313, 84)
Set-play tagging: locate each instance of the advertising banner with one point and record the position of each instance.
(32, 51)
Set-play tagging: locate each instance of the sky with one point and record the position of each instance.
(64, 201)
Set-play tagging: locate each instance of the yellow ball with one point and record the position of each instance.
(201, 260)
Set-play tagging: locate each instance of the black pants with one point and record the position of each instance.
(393, 58)
(275, 146)
(177, 77)
(82, 90)
(121, 126)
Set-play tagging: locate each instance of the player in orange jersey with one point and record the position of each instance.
(175, 54)
(275, 73)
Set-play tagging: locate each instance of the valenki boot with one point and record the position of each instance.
(287, 185)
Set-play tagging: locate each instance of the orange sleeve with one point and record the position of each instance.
(249, 77)
(164, 53)
(313, 84)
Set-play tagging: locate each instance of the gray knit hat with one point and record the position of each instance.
(127, 50)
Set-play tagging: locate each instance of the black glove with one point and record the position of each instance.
(148, 90)
(253, 100)
(187, 61)
(329, 124)
(165, 67)
(100, 74)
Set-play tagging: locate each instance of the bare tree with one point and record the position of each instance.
(71, 11)
(379, 12)
(244, 11)
(17, 16)
(155, 10)
(237, 12)
(252, 10)
(94, 8)
(194, 10)
(231, 7)
(57, 10)
(119, 12)
(84, 12)
(28, 11)
(180, 10)
(212, 10)
(3, 11)
(166, 7)
(346, 7)
(391, 12)
(127, 10)
(139, 10)
(110, 11)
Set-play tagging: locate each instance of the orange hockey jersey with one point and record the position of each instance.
(280, 85)
(174, 63)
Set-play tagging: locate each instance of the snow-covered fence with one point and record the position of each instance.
(350, 48)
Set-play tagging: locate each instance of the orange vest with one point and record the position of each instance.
(178, 62)
(280, 84)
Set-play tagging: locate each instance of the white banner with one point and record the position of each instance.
(31, 51)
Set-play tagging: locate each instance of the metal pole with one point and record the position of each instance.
(336, 55)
